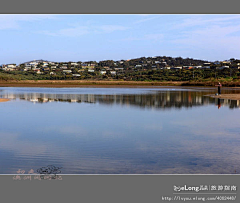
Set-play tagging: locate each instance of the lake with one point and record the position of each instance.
(160, 130)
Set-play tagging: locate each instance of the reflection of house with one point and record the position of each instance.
(166, 99)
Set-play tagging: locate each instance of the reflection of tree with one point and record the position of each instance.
(157, 100)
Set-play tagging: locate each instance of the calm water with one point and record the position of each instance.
(119, 131)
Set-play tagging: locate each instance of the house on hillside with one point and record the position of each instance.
(9, 67)
(63, 67)
(113, 72)
(91, 70)
(74, 64)
(103, 72)
(67, 71)
(84, 65)
(223, 67)
(76, 75)
(176, 68)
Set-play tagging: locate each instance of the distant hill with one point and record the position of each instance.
(38, 61)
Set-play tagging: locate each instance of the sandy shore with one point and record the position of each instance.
(226, 96)
(4, 100)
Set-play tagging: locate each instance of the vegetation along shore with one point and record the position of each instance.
(151, 69)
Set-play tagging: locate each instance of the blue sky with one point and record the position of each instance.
(116, 37)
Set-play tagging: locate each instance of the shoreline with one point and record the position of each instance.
(105, 83)
(85, 83)
(225, 96)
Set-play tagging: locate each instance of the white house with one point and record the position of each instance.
(67, 71)
(53, 67)
(11, 65)
(103, 72)
(76, 75)
(74, 64)
(206, 64)
(33, 63)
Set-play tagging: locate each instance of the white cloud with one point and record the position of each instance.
(13, 21)
(154, 37)
(76, 131)
(219, 36)
(73, 32)
(151, 37)
(214, 35)
(112, 28)
(145, 19)
(206, 20)
(77, 30)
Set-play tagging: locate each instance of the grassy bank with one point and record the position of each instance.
(82, 83)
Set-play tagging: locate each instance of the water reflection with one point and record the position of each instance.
(99, 131)
(154, 99)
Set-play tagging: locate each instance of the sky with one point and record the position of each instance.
(63, 38)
